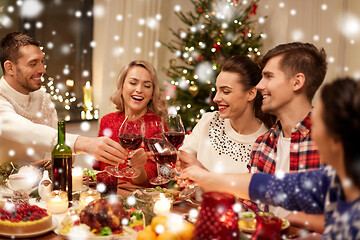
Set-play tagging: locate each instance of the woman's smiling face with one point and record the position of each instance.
(231, 98)
(137, 91)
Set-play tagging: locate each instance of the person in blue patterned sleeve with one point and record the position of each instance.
(333, 190)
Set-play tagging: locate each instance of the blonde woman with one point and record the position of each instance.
(138, 95)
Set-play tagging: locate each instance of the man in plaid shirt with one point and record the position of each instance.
(292, 73)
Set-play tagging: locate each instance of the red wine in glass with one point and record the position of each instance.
(148, 141)
(175, 138)
(166, 157)
(164, 153)
(174, 130)
(130, 141)
(130, 136)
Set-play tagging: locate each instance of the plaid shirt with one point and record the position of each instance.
(303, 152)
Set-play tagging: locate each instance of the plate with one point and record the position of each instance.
(28, 192)
(131, 236)
(33, 234)
(252, 230)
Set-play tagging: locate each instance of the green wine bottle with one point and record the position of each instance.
(62, 163)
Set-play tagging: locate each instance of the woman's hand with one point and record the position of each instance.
(138, 158)
(193, 174)
(137, 161)
(186, 160)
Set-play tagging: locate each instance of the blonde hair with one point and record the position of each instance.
(157, 104)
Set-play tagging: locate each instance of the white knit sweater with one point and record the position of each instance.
(28, 125)
(218, 146)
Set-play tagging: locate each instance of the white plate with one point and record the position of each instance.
(9, 191)
(132, 236)
(33, 234)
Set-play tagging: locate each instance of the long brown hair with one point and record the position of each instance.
(157, 104)
(249, 76)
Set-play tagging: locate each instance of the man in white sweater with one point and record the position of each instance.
(28, 119)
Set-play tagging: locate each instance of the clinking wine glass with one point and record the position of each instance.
(174, 131)
(131, 134)
(161, 149)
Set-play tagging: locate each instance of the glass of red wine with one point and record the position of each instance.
(131, 135)
(162, 151)
(174, 130)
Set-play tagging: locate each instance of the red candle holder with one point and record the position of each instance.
(267, 227)
(217, 219)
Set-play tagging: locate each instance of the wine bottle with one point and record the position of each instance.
(61, 163)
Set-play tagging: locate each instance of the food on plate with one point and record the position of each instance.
(175, 193)
(23, 218)
(104, 213)
(102, 217)
(247, 220)
(182, 232)
(90, 173)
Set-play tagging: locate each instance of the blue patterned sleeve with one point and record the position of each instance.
(303, 191)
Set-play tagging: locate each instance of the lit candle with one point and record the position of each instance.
(57, 202)
(69, 82)
(162, 205)
(82, 115)
(87, 197)
(77, 179)
(87, 95)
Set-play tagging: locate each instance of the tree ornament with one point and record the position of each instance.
(172, 62)
(253, 9)
(200, 10)
(217, 47)
(199, 58)
(194, 90)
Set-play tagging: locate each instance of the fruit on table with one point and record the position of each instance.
(168, 235)
(146, 234)
(158, 220)
(184, 233)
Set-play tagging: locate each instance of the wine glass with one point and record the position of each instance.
(174, 130)
(131, 134)
(164, 153)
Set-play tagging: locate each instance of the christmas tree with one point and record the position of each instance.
(215, 31)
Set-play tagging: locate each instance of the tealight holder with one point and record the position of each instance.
(87, 197)
(162, 203)
(217, 219)
(57, 202)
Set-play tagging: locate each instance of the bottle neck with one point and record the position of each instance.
(61, 132)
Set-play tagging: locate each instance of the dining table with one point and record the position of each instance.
(183, 207)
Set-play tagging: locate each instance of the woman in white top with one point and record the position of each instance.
(222, 140)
